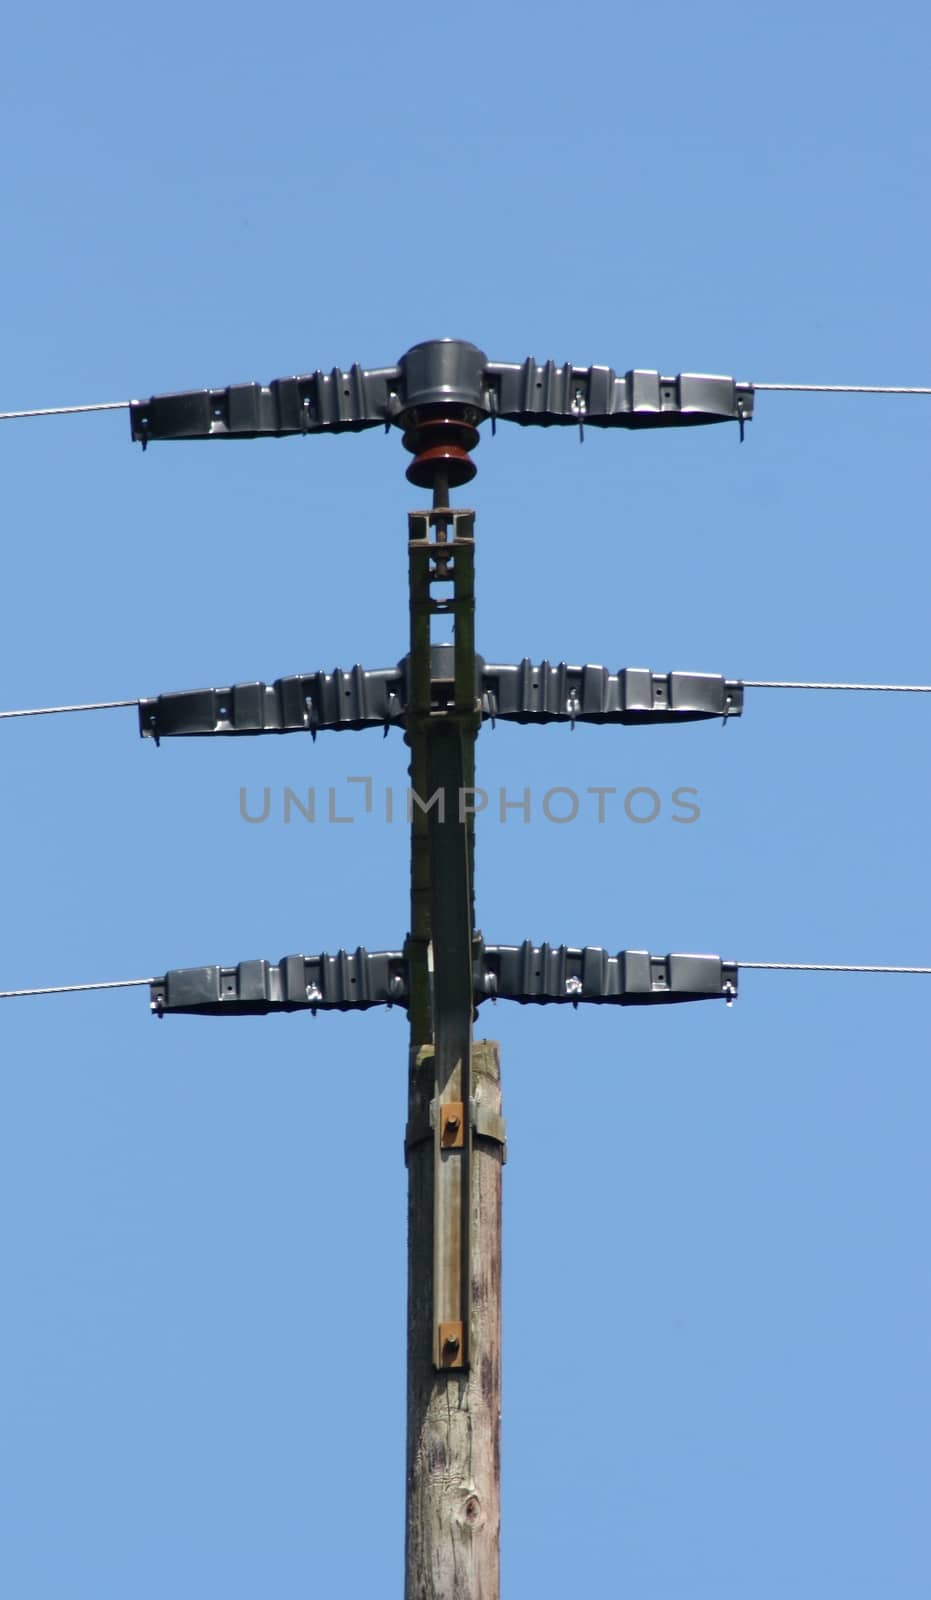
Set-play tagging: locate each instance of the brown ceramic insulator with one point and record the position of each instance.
(460, 468)
(441, 442)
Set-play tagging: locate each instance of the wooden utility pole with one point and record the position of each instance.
(454, 1416)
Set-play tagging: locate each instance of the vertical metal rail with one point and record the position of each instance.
(418, 716)
(443, 721)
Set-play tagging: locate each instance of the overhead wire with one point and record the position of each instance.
(823, 966)
(795, 388)
(77, 988)
(759, 966)
(875, 688)
(65, 411)
(842, 388)
(51, 711)
(746, 683)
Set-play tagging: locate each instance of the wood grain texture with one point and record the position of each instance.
(454, 1418)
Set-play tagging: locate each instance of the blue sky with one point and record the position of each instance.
(717, 1307)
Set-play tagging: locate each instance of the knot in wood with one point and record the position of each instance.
(472, 1514)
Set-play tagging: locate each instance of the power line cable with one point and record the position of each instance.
(823, 966)
(759, 966)
(66, 411)
(795, 388)
(50, 711)
(842, 388)
(76, 988)
(747, 683)
(875, 688)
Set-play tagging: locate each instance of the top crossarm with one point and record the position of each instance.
(599, 397)
(430, 379)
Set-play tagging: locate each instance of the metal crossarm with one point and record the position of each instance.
(321, 402)
(547, 394)
(545, 692)
(546, 974)
(359, 979)
(435, 376)
(347, 981)
(307, 702)
(530, 692)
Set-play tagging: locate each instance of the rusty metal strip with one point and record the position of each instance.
(485, 1125)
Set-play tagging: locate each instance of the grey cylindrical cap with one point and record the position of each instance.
(442, 372)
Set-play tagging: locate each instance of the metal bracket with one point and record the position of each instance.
(452, 1125)
(530, 692)
(431, 377)
(485, 1125)
(490, 1125)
